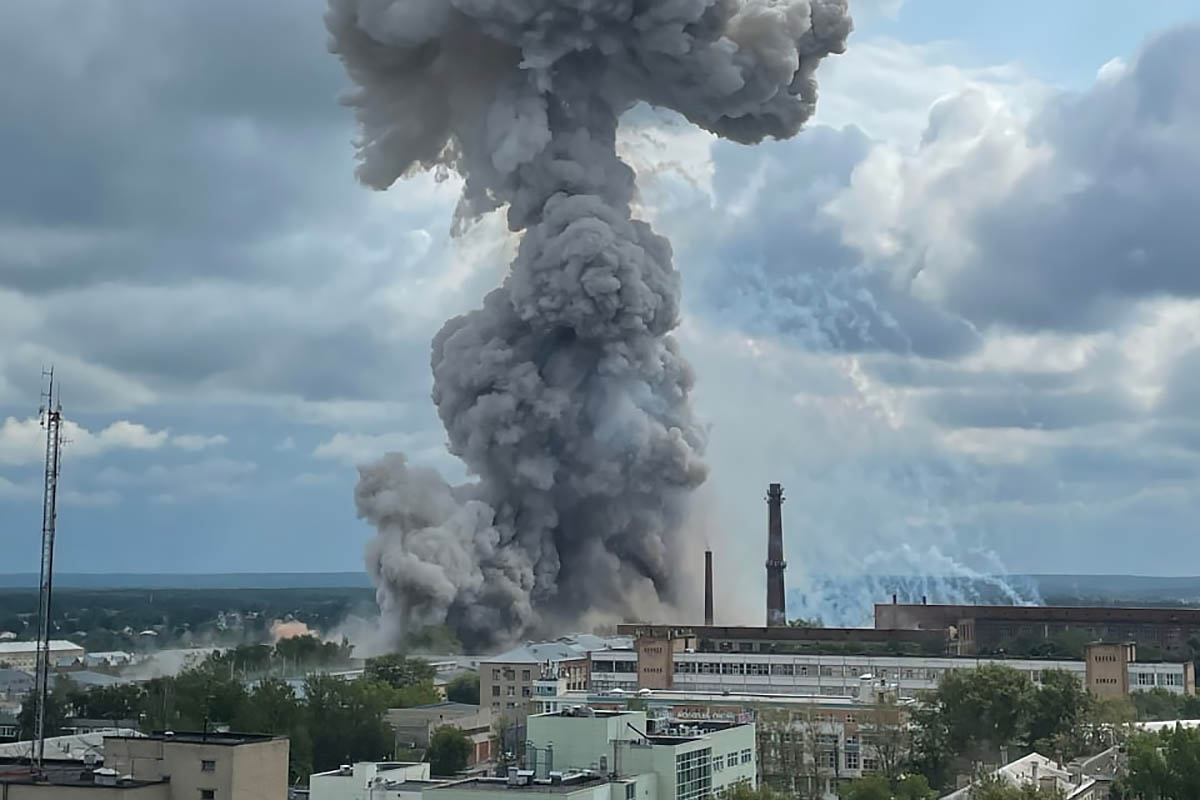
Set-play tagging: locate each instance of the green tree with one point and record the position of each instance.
(120, 702)
(272, 707)
(1060, 707)
(872, 787)
(464, 689)
(1162, 766)
(345, 720)
(914, 787)
(996, 789)
(53, 721)
(418, 694)
(449, 751)
(399, 671)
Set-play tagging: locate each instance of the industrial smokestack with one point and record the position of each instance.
(708, 589)
(776, 612)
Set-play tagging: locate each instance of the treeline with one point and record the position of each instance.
(286, 656)
(330, 721)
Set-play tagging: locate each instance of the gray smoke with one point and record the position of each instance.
(565, 394)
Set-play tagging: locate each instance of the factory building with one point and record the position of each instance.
(23, 655)
(665, 658)
(978, 629)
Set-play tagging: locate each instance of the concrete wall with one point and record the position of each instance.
(251, 771)
(17, 791)
(580, 742)
(337, 785)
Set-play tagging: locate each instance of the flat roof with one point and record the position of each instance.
(229, 739)
(1110, 614)
(501, 784)
(785, 634)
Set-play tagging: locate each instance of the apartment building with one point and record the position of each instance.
(804, 744)
(205, 766)
(506, 681)
(616, 755)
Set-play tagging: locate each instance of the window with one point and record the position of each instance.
(718, 763)
(511, 691)
(524, 674)
(828, 759)
(208, 794)
(495, 690)
(851, 759)
(495, 674)
(693, 774)
(747, 756)
(630, 791)
(827, 739)
(1145, 679)
(526, 691)
(208, 766)
(870, 764)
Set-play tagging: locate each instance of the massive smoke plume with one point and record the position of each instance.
(565, 393)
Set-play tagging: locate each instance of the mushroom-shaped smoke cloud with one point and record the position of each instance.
(565, 394)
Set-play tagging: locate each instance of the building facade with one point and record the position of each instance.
(830, 675)
(213, 766)
(974, 628)
(804, 744)
(414, 726)
(619, 755)
(371, 781)
(23, 655)
(506, 681)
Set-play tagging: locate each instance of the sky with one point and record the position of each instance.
(958, 318)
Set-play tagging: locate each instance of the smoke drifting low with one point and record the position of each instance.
(565, 394)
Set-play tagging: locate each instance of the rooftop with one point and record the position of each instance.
(75, 748)
(567, 647)
(227, 739)
(29, 647)
(569, 784)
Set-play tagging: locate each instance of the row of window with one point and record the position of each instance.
(511, 691)
(693, 774)
(1164, 679)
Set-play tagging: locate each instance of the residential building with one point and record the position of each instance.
(200, 766)
(77, 748)
(372, 781)
(618, 755)
(506, 681)
(415, 726)
(23, 655)
(804, 743)
(1043, 773)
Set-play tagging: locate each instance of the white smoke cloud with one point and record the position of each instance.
(565, 393)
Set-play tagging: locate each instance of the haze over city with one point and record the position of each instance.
(956, 316)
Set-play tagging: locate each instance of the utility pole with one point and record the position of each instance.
(51, 418)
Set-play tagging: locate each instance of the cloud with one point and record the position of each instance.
(194, 443)
(1058, 221)
(24, 441)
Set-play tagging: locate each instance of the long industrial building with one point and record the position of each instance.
(972, 629)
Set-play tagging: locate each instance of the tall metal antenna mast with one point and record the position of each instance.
(51, 415)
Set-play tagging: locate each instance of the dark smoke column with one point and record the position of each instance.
(565, 394)
(776, 599)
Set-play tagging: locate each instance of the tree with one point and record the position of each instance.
(53, 721)
(399, 671)
(996, 789)
(914, 787)
(1162, 766)
(885, 733)
(120, 702)
(418, 694)
(872, 787)
(345, 720)
(1061, 704)
(464, 689)
(449, 750)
